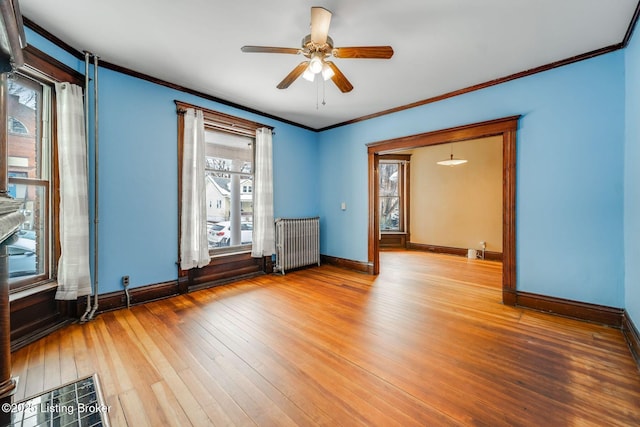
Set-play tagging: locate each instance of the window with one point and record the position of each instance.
(32, 176)
(29, 172)
(229, 170)
(392, 198)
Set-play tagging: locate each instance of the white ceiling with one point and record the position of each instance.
(440, 45)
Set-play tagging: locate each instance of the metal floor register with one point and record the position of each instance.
(79, 403)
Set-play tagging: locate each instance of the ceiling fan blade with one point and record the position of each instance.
(339, 79)
(293, 75)
(373, 52)
(320, 20)
(270, 49)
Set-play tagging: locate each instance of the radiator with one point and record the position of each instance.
(297, 243)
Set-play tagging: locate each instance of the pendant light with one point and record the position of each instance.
(451, 161)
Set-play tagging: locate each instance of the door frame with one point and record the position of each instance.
(506, 128)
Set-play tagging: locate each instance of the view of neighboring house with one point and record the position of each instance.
(218, 199)
(246, 200)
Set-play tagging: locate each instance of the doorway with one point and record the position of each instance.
(506, 129)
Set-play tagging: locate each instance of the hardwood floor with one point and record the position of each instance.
(427, 342)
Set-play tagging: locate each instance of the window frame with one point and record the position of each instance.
(403, 162)
(242, 177)
(47, 70)
(41, 137)
(214, 120)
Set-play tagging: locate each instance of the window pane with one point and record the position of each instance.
(27, 255)
(390, 213)
(219, 190)
(229, 189)
(24, 111)
(228, 152)
(28, 110)
(389, 196)
(388, 179)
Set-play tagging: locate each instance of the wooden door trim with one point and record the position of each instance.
(506, 128)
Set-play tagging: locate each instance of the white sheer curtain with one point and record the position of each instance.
(194, 247)
(263, 227)
(74, 277)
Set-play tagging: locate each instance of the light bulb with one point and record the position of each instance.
(315, 65)
(327, 71)
(308, 75)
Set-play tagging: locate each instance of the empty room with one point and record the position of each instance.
(319, 213)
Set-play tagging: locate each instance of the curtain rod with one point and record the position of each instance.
(226, 121)
(231, 128)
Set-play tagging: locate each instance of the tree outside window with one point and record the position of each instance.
(393, 198)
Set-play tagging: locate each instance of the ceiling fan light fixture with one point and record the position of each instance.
(317, 47)
(327, 71)
(308, 75)
(316, 63)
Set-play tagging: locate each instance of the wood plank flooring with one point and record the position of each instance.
(427, 342)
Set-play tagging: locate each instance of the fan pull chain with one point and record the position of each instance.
(324, 85)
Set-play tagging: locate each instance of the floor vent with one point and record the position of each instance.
(79, 403)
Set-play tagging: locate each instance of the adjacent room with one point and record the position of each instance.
(295, 213)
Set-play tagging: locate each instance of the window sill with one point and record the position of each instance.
(235, 250)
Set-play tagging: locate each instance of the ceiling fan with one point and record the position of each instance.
(317, 47)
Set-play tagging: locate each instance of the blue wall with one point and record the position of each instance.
(632, 180)
(569, 175)
(139, 174)
(138, 170)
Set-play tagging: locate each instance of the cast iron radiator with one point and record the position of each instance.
(297, 243)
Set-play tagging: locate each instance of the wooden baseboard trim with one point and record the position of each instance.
(349, 264)
(224, 281)
(609, 316)
(143, 294)
(509, 297)
(27, 339)
(116, 300)
(223, 269)
(447, 250)
(36, 314)
(632, 336)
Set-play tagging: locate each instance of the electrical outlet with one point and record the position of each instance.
(125, 281)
